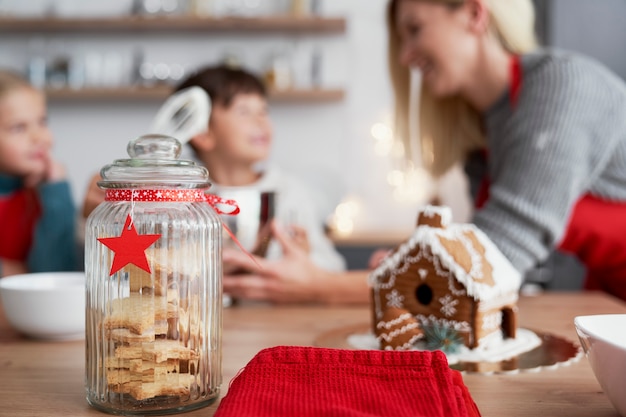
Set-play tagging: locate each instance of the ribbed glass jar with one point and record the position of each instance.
(153, 253)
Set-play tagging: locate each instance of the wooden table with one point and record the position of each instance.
(47, 379)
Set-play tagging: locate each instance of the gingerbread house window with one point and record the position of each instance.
(424, 294)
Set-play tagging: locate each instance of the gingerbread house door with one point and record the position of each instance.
(509, 323)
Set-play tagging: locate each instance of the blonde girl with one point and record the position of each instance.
(36, 206)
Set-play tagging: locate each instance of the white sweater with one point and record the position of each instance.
(294, 206)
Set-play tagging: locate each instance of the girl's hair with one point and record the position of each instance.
(450, 127)
(10, 80)
(222, 83)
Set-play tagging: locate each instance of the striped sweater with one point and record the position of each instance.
(565, 138)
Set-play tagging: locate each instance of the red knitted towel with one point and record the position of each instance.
(295, 381)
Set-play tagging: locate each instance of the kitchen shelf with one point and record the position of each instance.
(282, 24)
(310, 95)
(176, 23)
(162, 92)
(126, 93)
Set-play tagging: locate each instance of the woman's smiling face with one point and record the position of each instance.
(439, 40)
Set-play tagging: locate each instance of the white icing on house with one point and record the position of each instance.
(459, 326)
(448, 305)
(394, 299)
(397, 332)
(492, 321)
(403, 268)
(506, 278)
(494, 349)
(444, 274)
(408, 345)
(491, 304)
(391, 323)
(476, 270)
(444, 213)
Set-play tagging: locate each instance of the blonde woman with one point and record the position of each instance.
(547, 127)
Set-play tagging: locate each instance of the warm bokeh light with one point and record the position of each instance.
(397, 151)
(342, 221)
(344, 227)
(410, 184)
(382, 132)
(383, 137)
(395, 178)
(383, 148)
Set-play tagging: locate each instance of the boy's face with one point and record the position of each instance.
(242, 131)
(25, 140)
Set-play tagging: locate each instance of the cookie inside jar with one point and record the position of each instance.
(154, 332)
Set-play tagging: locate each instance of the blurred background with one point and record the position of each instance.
(107, 67)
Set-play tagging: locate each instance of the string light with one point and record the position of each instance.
(383, 139)
(410, 184)
(344, 215)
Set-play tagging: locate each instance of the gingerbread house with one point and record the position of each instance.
(446, 274)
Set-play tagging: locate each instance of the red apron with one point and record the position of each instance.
(596, 232)
(19, 212)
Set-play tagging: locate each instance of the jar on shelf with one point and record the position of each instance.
(300, 7)
(278, 74)
(153, 253)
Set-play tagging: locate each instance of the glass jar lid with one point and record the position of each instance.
(154, 162)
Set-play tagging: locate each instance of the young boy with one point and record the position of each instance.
(37, 215)
(237, 139)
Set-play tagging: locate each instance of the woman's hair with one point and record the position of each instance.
(222, 83)
(10, 81)
(450, 127)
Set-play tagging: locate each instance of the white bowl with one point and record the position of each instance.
(45, 305)
(603, 338)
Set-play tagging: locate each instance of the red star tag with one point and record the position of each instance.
(129, 248)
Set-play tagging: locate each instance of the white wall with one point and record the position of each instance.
(327, 144)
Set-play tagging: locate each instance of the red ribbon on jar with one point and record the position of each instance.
(158, 196)
(193, 195)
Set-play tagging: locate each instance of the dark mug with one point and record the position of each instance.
(252, 225)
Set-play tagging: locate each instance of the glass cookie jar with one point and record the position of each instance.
(153, 253)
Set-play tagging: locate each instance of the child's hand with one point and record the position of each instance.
(377, 257)
(53, 172)
(95, 195)
(56, 171)
(299, 237)
(288, 279)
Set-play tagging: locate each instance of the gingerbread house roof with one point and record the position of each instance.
(506, 278)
